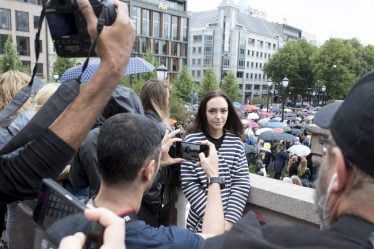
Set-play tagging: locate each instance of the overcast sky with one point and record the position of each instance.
(323, 18)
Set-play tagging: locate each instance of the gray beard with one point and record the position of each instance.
(321, 200)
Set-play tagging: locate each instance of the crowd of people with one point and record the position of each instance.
(117, 158)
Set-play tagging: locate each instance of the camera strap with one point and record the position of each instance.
(129, 216)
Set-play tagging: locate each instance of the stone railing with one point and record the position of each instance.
(281, 202)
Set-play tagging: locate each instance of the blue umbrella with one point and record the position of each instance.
(286, 137)
(136, 65)
(275, 125)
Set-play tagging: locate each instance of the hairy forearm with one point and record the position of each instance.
(74, 123)
(214, 222)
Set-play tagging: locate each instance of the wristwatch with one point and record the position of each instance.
(220, 180)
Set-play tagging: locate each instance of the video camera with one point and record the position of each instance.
(68, 26)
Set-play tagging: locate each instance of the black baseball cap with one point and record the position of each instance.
(352, 124)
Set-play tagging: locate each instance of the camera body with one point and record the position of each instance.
(68, 27)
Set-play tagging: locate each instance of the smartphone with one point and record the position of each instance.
(190, 151)
(59, 214)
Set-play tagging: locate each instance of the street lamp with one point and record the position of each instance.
(162, 72)
(269, 83)
(284, 84)
(56, 76)
(323, 88)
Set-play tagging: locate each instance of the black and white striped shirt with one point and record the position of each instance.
(232, 165)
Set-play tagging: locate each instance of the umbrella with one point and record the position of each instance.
(296, 132)
(245, 122)
(135, 65)
(287, 110)
(286, 137)
(249, 132)
(253, 124)
(278, 130)
(299, 150)
(250, 108)
(275, 125)
(268, 136)
(253, 116)
(266, 114)
(259, 131)
(310, 117)
(237, 105)
(277, 119)
(263, 121)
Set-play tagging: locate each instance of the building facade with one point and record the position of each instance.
(230, 38)
(162, 30)
(20, 20)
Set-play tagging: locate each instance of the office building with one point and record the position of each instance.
(20, 19)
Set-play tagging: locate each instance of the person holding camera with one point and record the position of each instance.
(46, 156)
(218, 122)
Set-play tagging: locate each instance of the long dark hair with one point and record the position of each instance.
(233, 123)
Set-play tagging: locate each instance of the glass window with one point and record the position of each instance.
(146, 27)
(183, 49)
(145, 45)
(193, 73)
(257, 87)
(199, 62)
(184, 28)
(193, 62)
(3, 39)
(174, 28)
(5, 19)
(166, 25)
(193, 50)
(164, 48)
(136, 16)
(156, 46)
(198, 73)
(175, 64)
(199, 50)
(26, 64)
(156, 24)
(22, 21)
(23, 45)
(175, 47)
(197, 38)
(39, 69)
(36, 22)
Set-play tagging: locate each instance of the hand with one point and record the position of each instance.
(115, 42)
(210, 163)
(228, 225)
(114, 234)
(167, 141)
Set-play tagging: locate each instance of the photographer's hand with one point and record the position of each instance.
(114, 234)
(210, 163)
(167, 141)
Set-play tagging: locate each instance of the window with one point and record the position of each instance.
(39, 69)
(136, 16)
(248, 87)
(26, 64)
(3, 39)
(175, 48)
(156, 24)
(193, 62)
(260, 43)
(247, 75)
(242, 51)
(156, 46)
(193, 50)
(256, 65)
(164, 48)
(248, 52)
(255, 76)
(22, 21)
(175, 64)
(197, 38)
(5, 19)
(23, 45)
(36, 22)
(199, 50)
(253, 53)
(146, 22)
(183, 49)
(198, 73)
(41, 46)
(264, 87)
(251, 41)
(265, 55)
(257, 87)
(144, 45)
(251, 75)
(274, 46)
(247, 63)
(193, 73)
(259, 76)
(239, 74)
(174, 27)
(252, 64)
(261, 55)
(184, 29)
(166, 25)
(257, 54)
(260, 65)
(199, 62)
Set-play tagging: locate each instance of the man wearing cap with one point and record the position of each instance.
(344, 189)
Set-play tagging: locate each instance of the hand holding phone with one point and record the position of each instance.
(191, 151)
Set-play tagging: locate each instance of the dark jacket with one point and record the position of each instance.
(280, 159)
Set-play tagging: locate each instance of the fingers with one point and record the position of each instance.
(102, 215)
(89, 14)
(75, 241)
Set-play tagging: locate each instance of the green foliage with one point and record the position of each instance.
(154, 61)
(10, 59)
(230, 86)
(62, 64)
(259, 101)
(208, 83)
(177, 108)
(184, 84)
(337, 67)
(294, 60)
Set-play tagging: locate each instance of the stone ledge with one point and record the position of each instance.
(282, 202)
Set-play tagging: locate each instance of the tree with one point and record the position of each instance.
(368, 57)
(62, 64)
(294, 60)
(230, 86)
(10, 59)
(336, 66)
(177, 108)
(208, 83)
(184, 85)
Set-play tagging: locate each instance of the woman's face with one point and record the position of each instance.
(216, 113)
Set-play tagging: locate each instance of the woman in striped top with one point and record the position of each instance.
(217, 122)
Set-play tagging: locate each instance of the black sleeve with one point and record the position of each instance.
(21, 175)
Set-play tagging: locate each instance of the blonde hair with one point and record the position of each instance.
(44, 94)
(10, 83)
(302, 167)
(154, 96)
